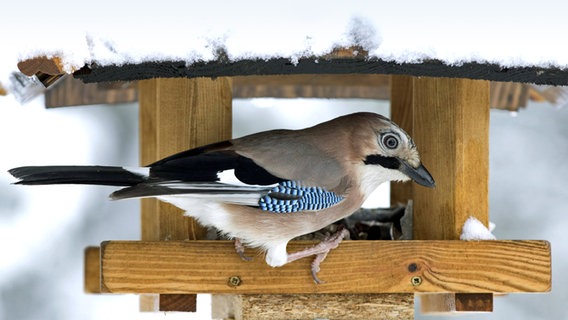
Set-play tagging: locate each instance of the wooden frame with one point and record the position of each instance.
(413, 266)
(448, 118)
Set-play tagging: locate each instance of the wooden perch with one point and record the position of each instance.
(2, 90)
(354, 267)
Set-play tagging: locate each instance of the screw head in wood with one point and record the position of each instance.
(416, 281)
(234, 281)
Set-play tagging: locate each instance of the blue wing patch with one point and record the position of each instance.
(290, 196)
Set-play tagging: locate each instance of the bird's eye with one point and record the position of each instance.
(390, 141)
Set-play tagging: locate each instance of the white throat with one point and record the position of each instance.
(373, 176)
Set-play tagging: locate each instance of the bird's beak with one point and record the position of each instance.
(420, 175)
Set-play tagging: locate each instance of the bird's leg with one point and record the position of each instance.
(316, 266)
(240, 249)
(320, 250)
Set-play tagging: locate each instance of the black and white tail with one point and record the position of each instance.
(97, 175)
(211, 172)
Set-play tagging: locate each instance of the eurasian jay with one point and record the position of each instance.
(267, 188)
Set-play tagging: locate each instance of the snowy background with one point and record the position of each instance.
(43, 230)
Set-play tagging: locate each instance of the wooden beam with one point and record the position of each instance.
(73, 92)
(354, 267)
(92, 270)
(401, 106)
(451, 130)
(318, 306)
(474, 302)
(175, 115)
(41, 64)
(361, 86)
(69, 91)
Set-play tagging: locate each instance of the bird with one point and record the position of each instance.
(264, 189)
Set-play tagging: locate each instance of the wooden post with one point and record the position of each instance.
(401, 106)
(92, 271)
(451, 130)
(175, 115)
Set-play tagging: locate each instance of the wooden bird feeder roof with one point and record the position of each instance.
(337, 62)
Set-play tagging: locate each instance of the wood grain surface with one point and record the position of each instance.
(354, 267)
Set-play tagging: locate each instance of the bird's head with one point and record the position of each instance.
(393, 149)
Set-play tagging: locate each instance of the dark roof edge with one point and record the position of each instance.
(283, 66)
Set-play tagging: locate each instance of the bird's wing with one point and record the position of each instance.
(219, 173)
(298, 156)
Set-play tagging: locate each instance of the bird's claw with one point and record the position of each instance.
(316, 266)
(240, 249)
(320, 251)
(329, 243)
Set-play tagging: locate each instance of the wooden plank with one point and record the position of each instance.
(92, 270)
(324, 306)
(451, 128)
(41, 64)
(48, 70)
(401, 106)
(524, 96)
(177, 302)
(73, 92)
(474, 302)
(495, 89)
(354, 267)
(175, 115)
(369, 86)
(515, 96)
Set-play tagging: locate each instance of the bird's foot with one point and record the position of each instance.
(240, 249)
(316, 266)
(320, 251)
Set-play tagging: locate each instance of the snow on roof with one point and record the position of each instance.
(507, 33)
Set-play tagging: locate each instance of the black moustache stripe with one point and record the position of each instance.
(385, 162)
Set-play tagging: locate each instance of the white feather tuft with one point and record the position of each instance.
(141, 171)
